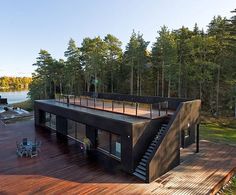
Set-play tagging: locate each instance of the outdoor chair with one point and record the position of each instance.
(19, 150)
(25, 152)
(24, 141)
(33, 152)
(38, 145)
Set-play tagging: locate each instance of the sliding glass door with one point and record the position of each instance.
(50, 120)
(109, 143)
(76, 130)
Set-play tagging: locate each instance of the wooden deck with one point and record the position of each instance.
(62, 169)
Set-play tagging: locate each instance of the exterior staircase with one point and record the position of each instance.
(140, 170)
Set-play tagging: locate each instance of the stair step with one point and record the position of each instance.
(164, 124)
(141, 167)
(148, 153)
(146, 156)
(139, 176)
(140, 171)
(144, 160)
(142, 163)
(152, 144)
(149, 150)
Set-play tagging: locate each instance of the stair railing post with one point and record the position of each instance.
(112, 105)
(136, 105)
(94, 102)
(80, 100)
(159, 108)
(123, 107)
(197, 139)
(67, 100)
(103, 104)
(87, 101)
(151, 111)
(166, 107)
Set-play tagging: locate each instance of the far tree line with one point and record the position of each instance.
(7, 83)
(182, 63)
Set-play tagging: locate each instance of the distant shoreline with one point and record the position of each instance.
(12, 89)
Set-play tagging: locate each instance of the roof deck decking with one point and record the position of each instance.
(62, 169)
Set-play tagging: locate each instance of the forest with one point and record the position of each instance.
(181, 63)
(9, 83)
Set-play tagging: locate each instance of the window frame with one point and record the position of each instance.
(110, 147)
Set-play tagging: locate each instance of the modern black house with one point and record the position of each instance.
(142, 134)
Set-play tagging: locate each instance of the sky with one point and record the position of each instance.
(26, 26)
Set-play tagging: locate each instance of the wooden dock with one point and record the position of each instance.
(62, 169)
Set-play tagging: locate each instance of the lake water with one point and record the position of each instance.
(14, 96)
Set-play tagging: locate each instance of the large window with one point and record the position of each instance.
(76, 130)
(50, 120)
(104, 140)
(109, 142)
(115, 145)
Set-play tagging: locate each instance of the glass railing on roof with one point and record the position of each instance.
(144, 110)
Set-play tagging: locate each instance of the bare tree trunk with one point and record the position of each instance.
(163, 80)
(79, 88)
(60, 87)
(137, 92)
(71, 86)
(95, 83)
(235, 108)
(217, 90)
(112, 86)
(179, 83)
(45, 90)
(169, 85)
(131, 79)
(88, 85)
(50, 88)
(200, 90)
(158, 83)
(140, 85)
(54, 89)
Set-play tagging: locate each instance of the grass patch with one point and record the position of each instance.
(218, 133)
(231, 189)
(26, 105)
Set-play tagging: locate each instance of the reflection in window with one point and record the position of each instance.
(104, 140)
(76, 130)
(50, 120)
(186, 133)
(115, 145)
(109, 142)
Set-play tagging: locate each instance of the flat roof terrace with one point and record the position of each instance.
(62, 169)
(131, 108)
(97, 112)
